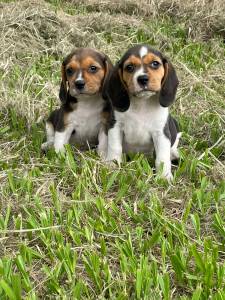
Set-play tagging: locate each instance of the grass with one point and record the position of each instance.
(70, 228)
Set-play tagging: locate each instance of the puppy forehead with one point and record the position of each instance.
(133, 60)
(149, 57)
(84, 56)
(73, 63)
(137, 61)
(141, 51)
(88, 61)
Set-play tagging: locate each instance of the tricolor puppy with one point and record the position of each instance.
(141, 87)
(80, 118)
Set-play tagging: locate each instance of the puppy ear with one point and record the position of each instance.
(116, 91)
(108, 69)
(63, 86)
(169, 85)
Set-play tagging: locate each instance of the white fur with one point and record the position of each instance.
(85, 120)
(62, 138)
(143, 51)
(162, 149)
(140, 129)
(102, 143)
(50, 132)
(115, 141)
(138, 73)
(174, 150)
(79, 77)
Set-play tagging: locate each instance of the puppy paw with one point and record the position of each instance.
(102, 154)
(44, 146)
(168, 177)
(112, 164)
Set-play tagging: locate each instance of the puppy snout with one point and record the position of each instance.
(142, 80)
(79, 84)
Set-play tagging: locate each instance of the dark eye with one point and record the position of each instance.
(130, 68)
(92, 69)
(69, 71)
(154, 64)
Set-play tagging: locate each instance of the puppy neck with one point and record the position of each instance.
(147, 98)
(87, 98)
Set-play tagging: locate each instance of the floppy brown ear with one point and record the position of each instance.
(116, 91)
(169, 85)
(63, 86)
(108, 69)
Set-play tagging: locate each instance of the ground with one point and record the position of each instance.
(72, 228)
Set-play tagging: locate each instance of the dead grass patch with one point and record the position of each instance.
(203, 19)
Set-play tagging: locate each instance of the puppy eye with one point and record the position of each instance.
(130, 68)
(69, 71)
(92, 69)
(154, 64)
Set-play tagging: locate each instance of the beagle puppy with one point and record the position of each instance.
(141, 87)
(80, 118)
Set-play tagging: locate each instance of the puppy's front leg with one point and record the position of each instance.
(102, 143)
(162, 149)
(115, 144)
(62, 138)
(50, 132)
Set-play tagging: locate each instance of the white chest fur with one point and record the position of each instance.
(86, 119)
(144, 118)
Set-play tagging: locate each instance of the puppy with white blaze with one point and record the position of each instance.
(81, 117)
(141, 88)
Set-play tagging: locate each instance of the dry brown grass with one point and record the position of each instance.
(30, 29)
(203, 18)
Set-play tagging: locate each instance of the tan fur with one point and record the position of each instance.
(105, 115)
(93, 81)
(166, 71)
(127, 77)
(155, 76)
(133, 60)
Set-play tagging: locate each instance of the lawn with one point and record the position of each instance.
(72, 228)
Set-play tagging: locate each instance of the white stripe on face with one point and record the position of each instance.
(79, 77)
(143, 51)
(139, 72)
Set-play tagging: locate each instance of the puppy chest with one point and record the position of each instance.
(86, 122)
(140, 123)
(87, 127)
(136, 130)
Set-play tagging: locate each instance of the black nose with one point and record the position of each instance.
(79, 84)
(142, 79)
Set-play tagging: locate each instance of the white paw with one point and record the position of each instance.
(168, 176)
(59, 149)
(102, 153)
(44, 146)
(113, 163)
(164, 170)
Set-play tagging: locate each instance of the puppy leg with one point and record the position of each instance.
(162, 149)
(174, 154)
(102, 143)
(50, 132)
(62, 138)
(114, 144)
